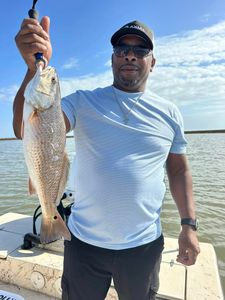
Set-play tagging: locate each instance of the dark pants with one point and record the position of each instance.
(88, 271)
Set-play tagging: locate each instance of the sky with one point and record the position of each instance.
(189, 51)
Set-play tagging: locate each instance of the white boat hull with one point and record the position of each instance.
(38, 270)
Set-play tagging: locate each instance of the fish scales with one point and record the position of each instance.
(44, 140)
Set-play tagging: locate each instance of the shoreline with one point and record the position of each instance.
(204, 131)
(186, 132)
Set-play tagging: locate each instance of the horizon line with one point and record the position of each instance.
(186, 132)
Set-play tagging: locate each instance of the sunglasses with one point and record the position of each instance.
(139, 52)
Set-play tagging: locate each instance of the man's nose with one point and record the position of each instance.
(130, 56)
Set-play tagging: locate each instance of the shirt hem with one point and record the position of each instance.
(118, 246)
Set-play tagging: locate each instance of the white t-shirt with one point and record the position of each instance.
(119, 176)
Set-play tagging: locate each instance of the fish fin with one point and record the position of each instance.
(64, 177)
(22, 130)
(32, 189)
(33, 115)
(53, 228)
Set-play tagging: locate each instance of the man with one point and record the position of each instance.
(124, 137)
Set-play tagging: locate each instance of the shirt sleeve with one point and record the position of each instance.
(179, 144)
(69, 107)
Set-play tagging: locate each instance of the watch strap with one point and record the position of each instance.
(191, 222)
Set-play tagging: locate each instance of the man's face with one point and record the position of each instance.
(131, 72)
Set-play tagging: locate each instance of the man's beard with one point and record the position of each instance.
(129, 82)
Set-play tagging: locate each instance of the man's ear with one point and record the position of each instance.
(153, 63)
(112, 59)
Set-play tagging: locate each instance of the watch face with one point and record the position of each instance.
(196, 224)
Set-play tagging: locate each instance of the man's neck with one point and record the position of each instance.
(128, 89)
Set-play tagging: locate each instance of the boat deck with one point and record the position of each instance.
(38, 270)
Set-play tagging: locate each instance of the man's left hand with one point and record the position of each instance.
(188, 246)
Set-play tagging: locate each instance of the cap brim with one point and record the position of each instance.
(125, 31)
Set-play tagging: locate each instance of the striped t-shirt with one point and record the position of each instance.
(119, 176)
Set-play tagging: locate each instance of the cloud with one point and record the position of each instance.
(7, 94)
(197, 47)
(87, 82)
(189, 71)
(190, 68)
(205, 18)
(72, 63)
(108, 63)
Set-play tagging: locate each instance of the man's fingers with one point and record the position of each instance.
(34, 48)
(45, 24)
(192, 256)
(33, 38)
(182, 257)
(182, 252)
(31, 45)
(29, 21)
(188, 257)
(33, 29)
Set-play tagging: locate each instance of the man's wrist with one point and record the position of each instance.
(192, 223)
(31, 72)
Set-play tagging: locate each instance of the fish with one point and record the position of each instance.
(44, 139)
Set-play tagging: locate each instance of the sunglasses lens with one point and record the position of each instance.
(139, 52)
(120, 51)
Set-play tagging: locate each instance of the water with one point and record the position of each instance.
(207, 161)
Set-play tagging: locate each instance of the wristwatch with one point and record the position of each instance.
(191, 222)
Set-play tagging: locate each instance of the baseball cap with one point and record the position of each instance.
(137, 28)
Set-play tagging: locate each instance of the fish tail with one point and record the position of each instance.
(53, 228)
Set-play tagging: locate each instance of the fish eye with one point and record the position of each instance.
(53, 80)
